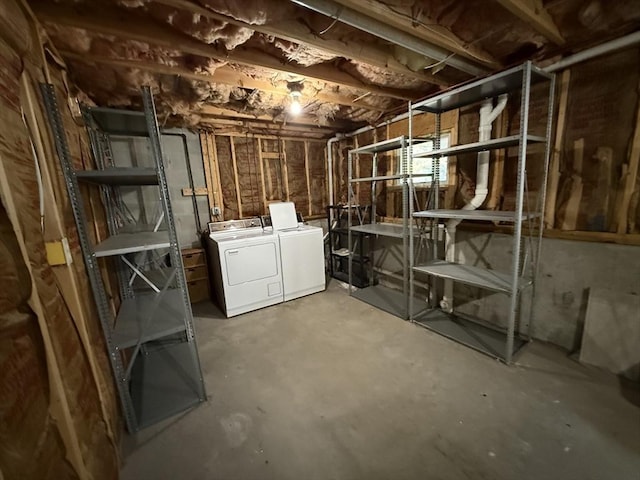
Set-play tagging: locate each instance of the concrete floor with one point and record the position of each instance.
(327, 387)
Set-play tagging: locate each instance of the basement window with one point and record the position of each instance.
(424, 166)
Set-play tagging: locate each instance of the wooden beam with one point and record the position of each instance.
(215, 173)
(295, 31)
(235, 176)
(306, 171)
(224, 75)
(129, 25)
(287, 120)
(200, 192)
(424, 30)
(285, 170)
(208, 179)
(533, 13)
(554, 167)
(631, 177)
(264, 188)
(290, 130)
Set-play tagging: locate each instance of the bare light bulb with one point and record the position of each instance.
(294, 107)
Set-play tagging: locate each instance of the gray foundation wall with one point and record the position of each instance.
(568, 269)
(143, 202)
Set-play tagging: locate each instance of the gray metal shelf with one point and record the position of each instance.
(152, 382)
(480, 215)
(385, 298)
(120, 176)
(376, 179)
(165, 381)
(471, 275)
(504, 82)
(493, 144)
(120, 122)
(378, 295)
(133, 323)
(380, 147)
(472, 333)
(382, 229)
(124, 243)
(525, 251)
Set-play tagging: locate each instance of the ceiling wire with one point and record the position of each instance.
(336, 18)
(444, 60)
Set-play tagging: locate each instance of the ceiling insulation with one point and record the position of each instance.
(350, 77)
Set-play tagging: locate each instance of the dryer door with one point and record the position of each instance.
(251, 263)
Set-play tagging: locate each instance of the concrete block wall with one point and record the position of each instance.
(173, 143)
(144, 201)
(568, 269)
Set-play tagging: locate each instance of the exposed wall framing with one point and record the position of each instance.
(59, 405)
(593, 191)
(250, 171)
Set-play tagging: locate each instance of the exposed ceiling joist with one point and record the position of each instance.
(292, 121)
(533, 13)
(127, 25)
(223, 75)
(283, 128)
(296, 32)
(438, 36)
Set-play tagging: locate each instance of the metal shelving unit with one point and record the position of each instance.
(149, 336)
(339, 249)
(501, 343)
(380, 296)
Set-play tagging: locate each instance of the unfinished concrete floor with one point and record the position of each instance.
(327, 387)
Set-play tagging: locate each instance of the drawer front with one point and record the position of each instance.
(193, 258)
(198, 290)
(196, 273)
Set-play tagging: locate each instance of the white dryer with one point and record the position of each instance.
(245, 269)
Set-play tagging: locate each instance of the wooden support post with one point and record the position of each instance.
(215, 173)
(452, 164)
(356, 171)
(235, 176)
(497, 177)
(265, 209)
(306, 170)
(285, 171)
(631, 177)
(206, 163)
(568, 213)
(554, 167)
(598, 217)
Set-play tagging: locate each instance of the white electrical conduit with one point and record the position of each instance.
(488, 114)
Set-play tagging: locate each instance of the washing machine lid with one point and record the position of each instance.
(283, 215)
(299, 229)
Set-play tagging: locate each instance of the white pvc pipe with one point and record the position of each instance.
(602, 49)
(488, 114)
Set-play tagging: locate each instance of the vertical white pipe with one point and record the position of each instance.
(488, 114)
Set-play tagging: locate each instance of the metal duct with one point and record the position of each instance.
(391, 34)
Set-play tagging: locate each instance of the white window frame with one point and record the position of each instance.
(427, 146)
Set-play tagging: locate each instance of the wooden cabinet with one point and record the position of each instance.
(196, 274)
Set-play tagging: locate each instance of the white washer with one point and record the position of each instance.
(246, 269)
(302, 256)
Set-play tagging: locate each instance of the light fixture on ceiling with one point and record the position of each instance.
(295, 92)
